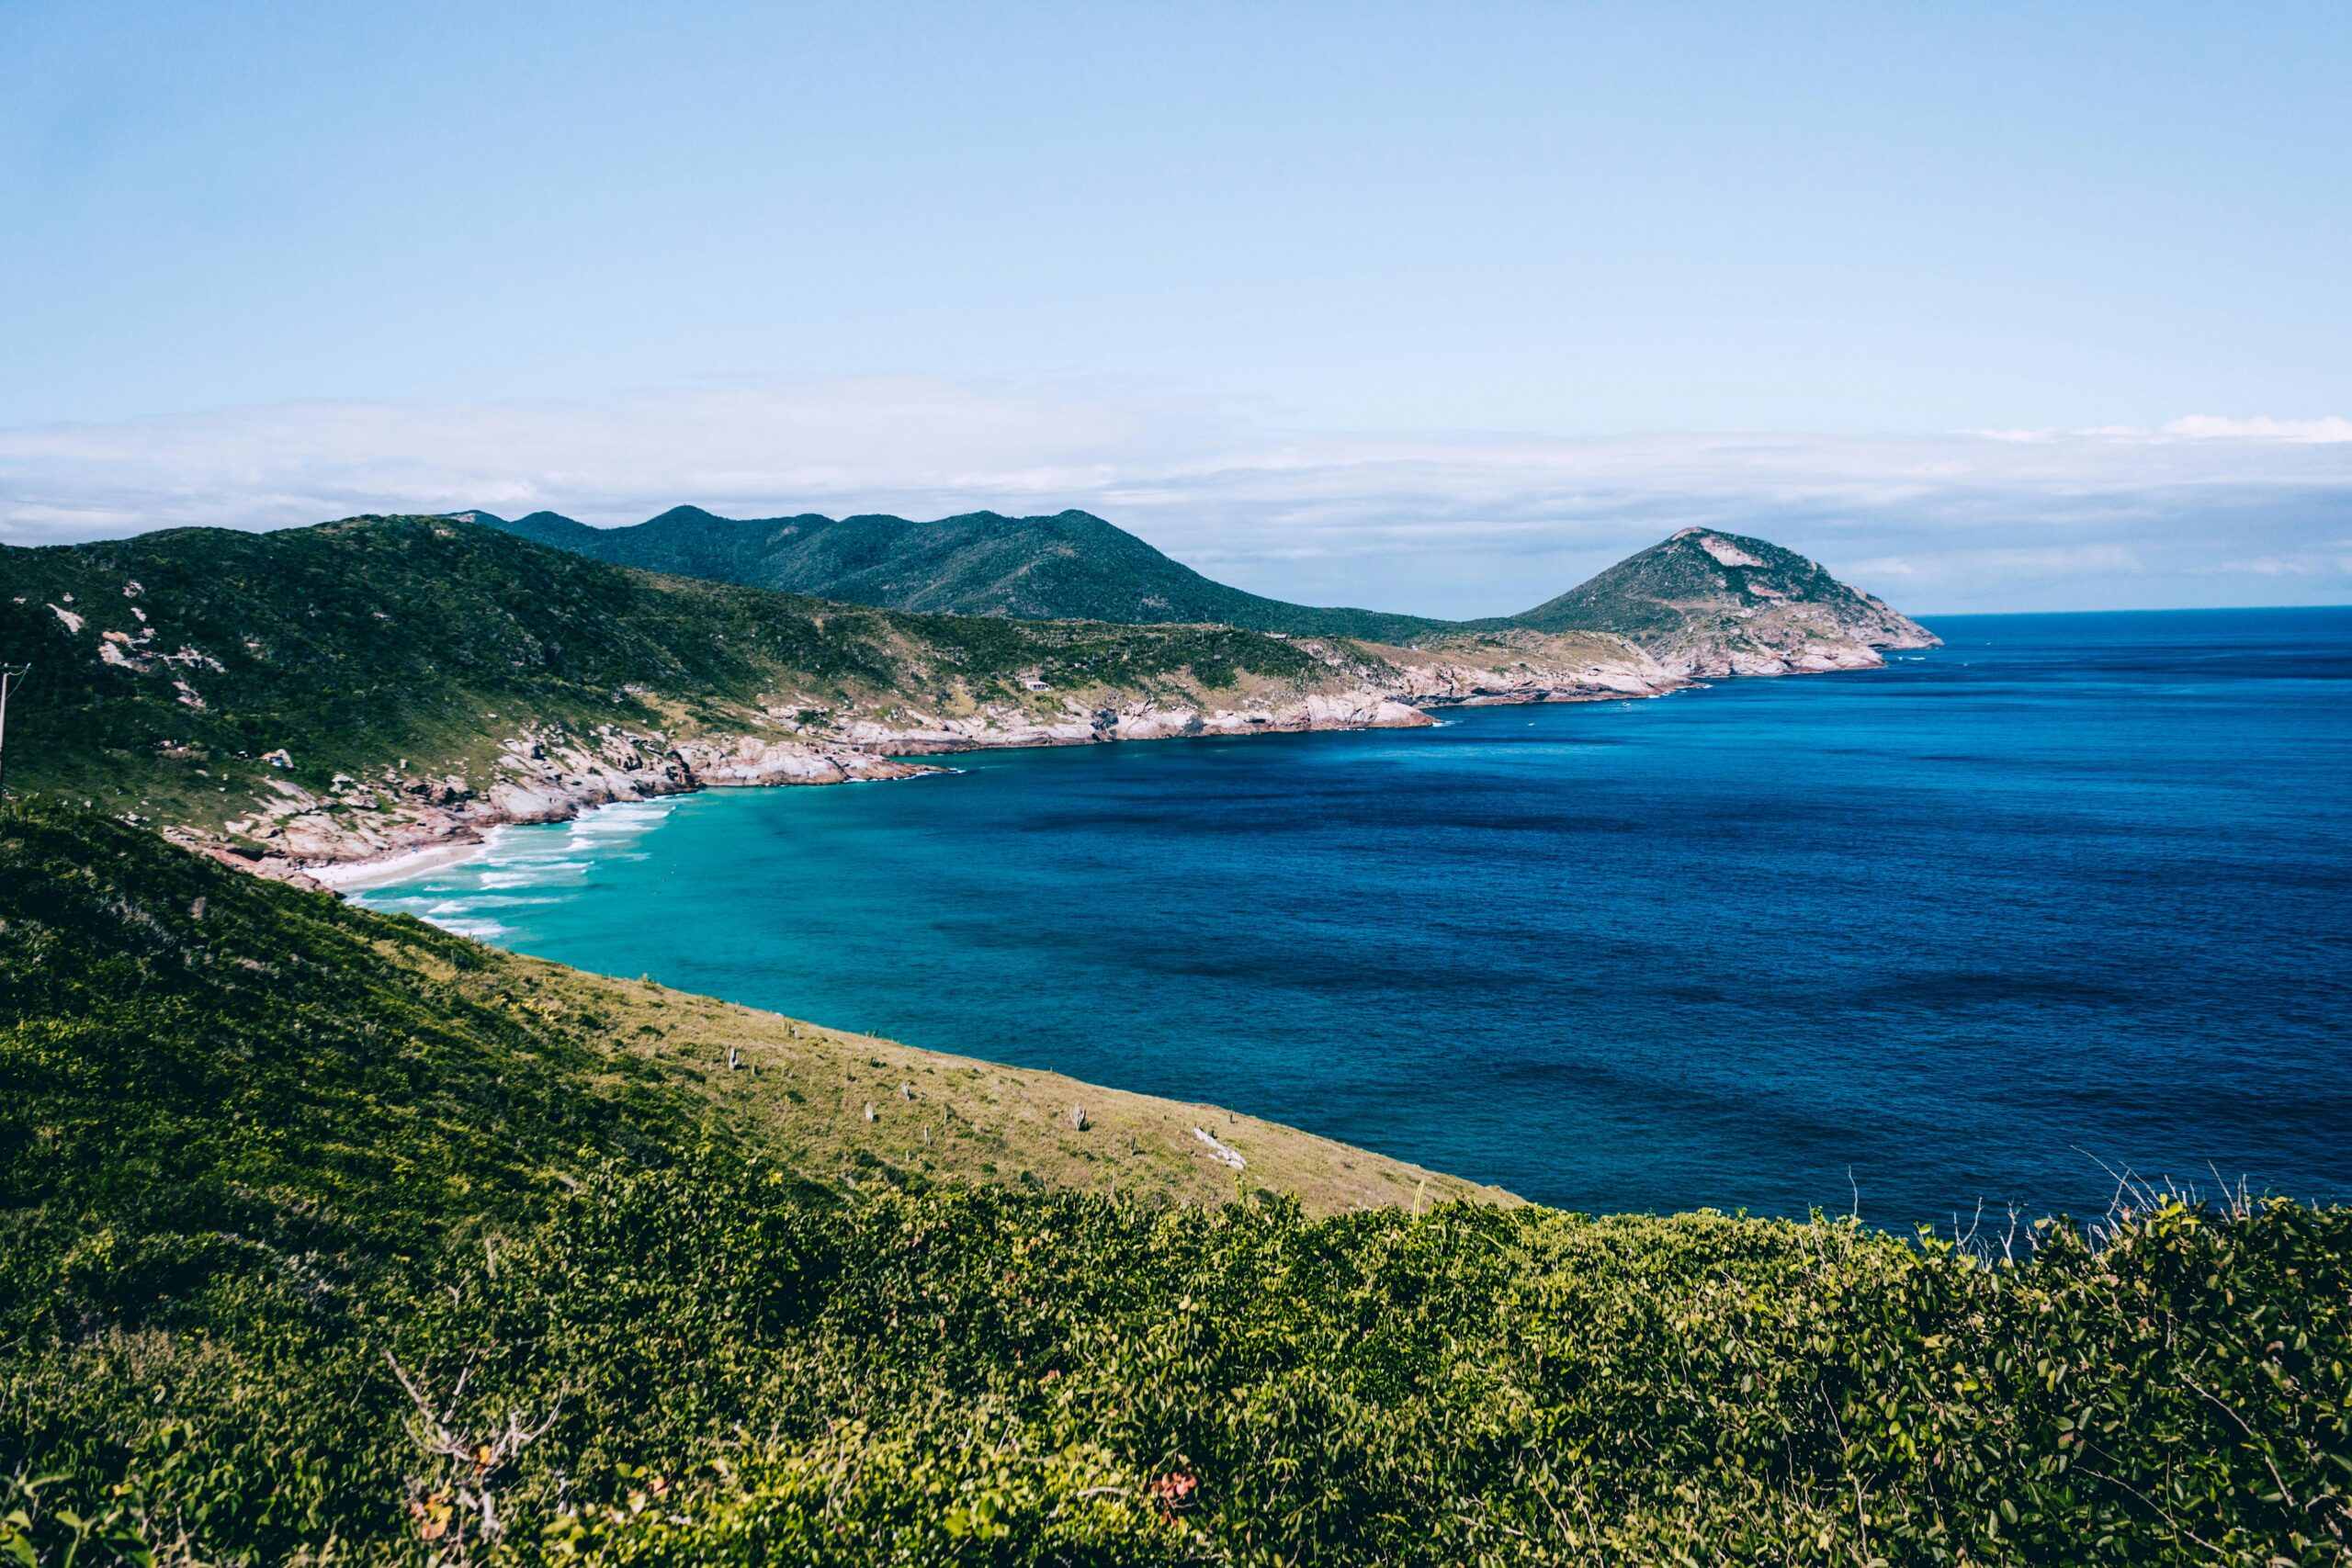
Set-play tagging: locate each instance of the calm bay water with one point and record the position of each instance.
(2071, 889)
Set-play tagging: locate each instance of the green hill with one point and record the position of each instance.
(408, 657)
(1071, 566)
(1711, 599)
(334, 1238)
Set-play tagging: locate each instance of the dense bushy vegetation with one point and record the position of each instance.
(711, 1372)
(203, 1073)
(316, 1250)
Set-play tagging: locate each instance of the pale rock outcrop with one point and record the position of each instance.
(748, 761)
(1529, 666)
(522, 802)
(1723, 549)
(1223, 1153)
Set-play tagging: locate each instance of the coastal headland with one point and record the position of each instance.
(371, 690)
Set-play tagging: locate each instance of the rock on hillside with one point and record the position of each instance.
(1707, 603)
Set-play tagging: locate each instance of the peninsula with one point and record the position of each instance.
(332, 696)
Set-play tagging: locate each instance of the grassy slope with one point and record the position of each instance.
(396, 1068)
(353, 644)
(799, 1093)
(1070, 566)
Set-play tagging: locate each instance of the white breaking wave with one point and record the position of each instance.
(513, 861)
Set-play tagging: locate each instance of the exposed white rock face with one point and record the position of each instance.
(995, 725)
(1358, 709)
(1724, 551)
(549, 775)
(542, 776)
(1810, 660)
(1136, 719)
(1530, 668)
(521, 803)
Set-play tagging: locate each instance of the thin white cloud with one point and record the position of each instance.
(2189, 427)
(2212, 427)
(1445, 523)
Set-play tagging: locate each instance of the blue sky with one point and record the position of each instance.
(1400, 304)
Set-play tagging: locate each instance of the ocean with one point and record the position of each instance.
(2068, 898)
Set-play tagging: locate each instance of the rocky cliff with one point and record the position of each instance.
(550, 774)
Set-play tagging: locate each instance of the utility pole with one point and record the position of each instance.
(11, 677)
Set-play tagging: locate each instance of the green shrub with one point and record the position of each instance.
(726, 1371)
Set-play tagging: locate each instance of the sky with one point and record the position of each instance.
(1431, 308)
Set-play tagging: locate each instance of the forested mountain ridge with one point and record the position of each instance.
(1704, 601)
(365, 687)
(1069, 566)
(302, 694)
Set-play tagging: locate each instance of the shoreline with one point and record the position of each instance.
(345, 876)
(348, 875)
(866, 759)
(891, 757)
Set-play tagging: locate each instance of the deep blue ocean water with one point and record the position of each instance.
(2071, 889)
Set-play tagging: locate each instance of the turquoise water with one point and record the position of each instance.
(2069, 890)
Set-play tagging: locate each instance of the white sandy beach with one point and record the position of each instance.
(349, 874)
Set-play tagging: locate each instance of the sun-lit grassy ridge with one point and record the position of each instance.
(271, 1062)
(263, 1157)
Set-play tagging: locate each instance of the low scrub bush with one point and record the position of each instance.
(705, 1366)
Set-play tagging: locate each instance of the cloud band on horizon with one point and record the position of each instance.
(2204, 510)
